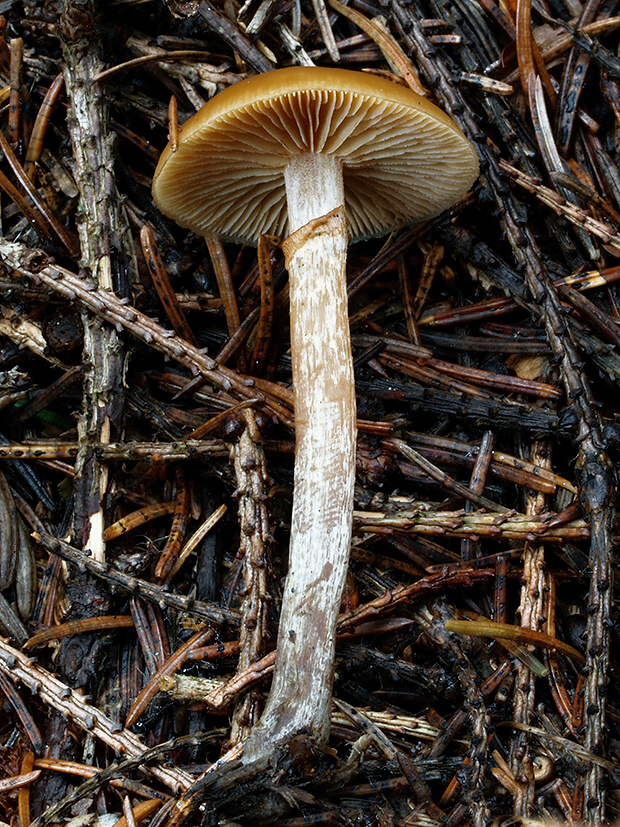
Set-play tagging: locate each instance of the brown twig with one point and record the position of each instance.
(252, 492)
(18, 668)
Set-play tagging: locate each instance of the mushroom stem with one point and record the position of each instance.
(325, 434)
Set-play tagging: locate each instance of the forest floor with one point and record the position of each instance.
(147, 436)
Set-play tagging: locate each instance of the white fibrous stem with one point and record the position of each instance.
(325, 435)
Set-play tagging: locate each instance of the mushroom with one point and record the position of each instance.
(315, 155)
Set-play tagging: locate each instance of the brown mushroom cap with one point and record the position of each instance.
(403, 159)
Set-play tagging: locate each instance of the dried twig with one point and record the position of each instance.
(254, 545)
(73, 706)
(105, 247)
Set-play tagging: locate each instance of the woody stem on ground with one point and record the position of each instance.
(325, 434)
(105, 245)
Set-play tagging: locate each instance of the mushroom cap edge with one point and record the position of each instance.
(176, 186)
